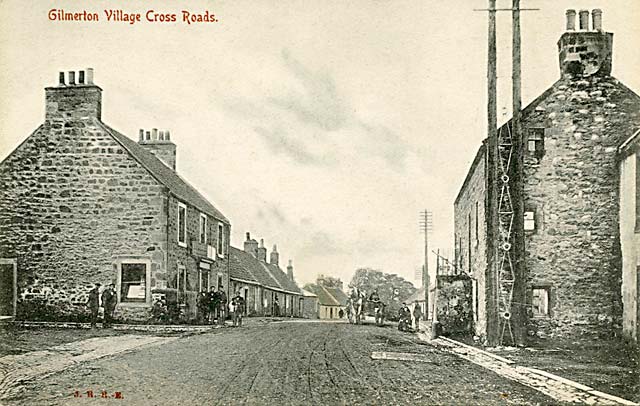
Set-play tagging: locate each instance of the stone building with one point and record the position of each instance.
(81, 203)
(332, 301)
(572, 238)
(267, 290)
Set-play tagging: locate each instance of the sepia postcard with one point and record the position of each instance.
(367, 202)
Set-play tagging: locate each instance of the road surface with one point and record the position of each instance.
(279, 363)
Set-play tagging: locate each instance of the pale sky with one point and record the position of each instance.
(322, 126)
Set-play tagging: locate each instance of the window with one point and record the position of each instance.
(203, 228)
(540, 302)
(535, 142)
(220, 239)
(204, 280)
(133, 283)
(182, 225)
(529, 220)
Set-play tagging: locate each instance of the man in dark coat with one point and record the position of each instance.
(222, 305)
(417, 314)
(214, 301)
(94, 304)
(109, 300)
(238, 309)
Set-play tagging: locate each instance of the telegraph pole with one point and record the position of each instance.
(426, 226)
(505, 253)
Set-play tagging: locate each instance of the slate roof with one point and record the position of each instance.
(244, 266)
(165, 175)
(329, 296)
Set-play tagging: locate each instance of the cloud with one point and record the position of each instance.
(279, 142)
(321, 244)
(272, 212)
(319, 103)
(383, 142)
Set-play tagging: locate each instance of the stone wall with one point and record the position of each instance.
(573, 189)
(179, 255)
(472, 199)
(71, 198)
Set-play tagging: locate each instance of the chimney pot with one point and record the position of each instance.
(167, 135)
(262, 243)
(81, 77)
(72, 78)
(61, 79)
(584, 20)
(148, 135)
(596, 16)
(161, 135)
(571, 20)
(141, 134)
(248, 236)
(89, 76)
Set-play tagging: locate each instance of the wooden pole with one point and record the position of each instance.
(517, 309)
(493, 169)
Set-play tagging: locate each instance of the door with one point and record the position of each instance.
(8, 292)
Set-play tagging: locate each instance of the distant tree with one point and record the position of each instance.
(329, 281)
(392, 289)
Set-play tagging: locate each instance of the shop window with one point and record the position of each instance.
(182, 224)
(535, 142)
(529, 220)
(133, 283)
(540, 302)
(203, 229)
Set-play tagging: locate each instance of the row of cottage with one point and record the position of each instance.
(81, 203)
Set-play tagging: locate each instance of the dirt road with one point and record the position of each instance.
(280, 363)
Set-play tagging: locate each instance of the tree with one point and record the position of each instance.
(392, 289)
(329, 281)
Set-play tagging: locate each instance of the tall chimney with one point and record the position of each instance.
(251, 246)
(262, 251)
(65, 101)
(290, 271)
(161, 147)
(571, 20)
(81, 77)
(89, 76)
(275, 257)
(596, 16)
(584, 20)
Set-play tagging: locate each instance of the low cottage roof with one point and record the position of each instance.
(330, 296)
(165, 175)
(245, 267)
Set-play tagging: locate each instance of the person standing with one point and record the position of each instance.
(94, 304)
(417, 314)
(202, 303)
(238, 309)
(213, 304)
(109, 303)
(276, 307)
(222, 305)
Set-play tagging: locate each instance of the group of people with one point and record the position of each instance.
(405, 317)
(213, 306)
(108, 298)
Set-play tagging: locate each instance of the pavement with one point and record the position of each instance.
(261, 363)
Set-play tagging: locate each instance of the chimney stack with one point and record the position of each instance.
(275, 257)
(74, 101)
(571, 20)
(584, 20)
(290, 271)
(596, 16)
(262, 251)
(161, 146)
(251, 246)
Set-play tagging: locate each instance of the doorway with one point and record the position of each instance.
(8, 287)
